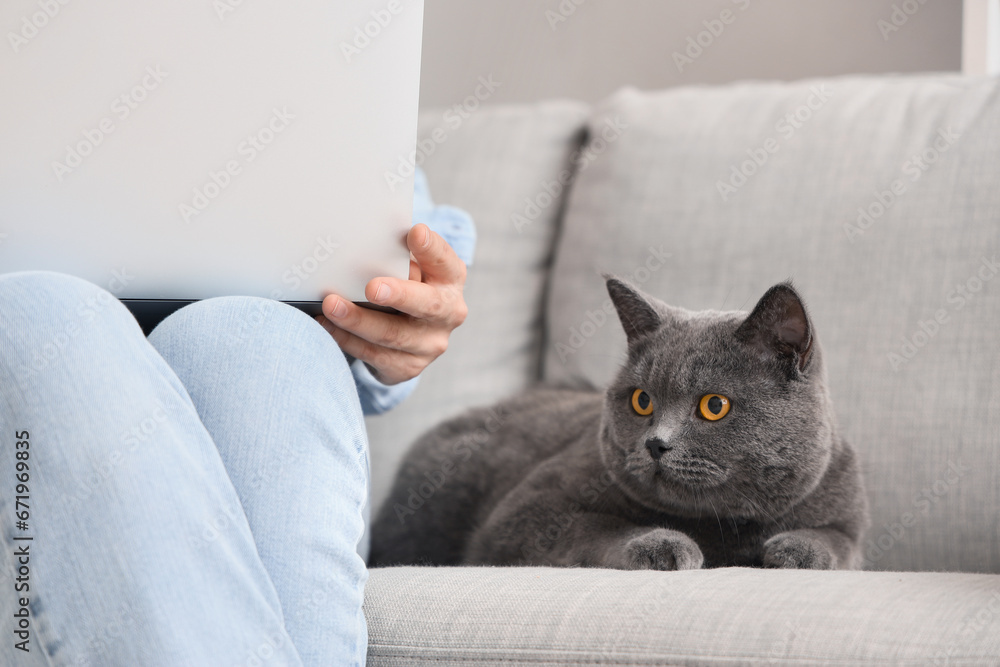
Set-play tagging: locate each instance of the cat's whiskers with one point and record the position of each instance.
(728, 294)
(755, 508)
(722, 532)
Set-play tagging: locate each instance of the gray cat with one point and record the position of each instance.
(715, 446)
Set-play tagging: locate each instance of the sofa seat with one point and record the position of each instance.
(731, 616)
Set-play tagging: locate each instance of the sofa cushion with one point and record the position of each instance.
(732, 616)
(488, 162)
(880, 198)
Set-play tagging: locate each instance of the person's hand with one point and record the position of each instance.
(397, 347)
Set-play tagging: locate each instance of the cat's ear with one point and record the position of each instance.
(637, 315)
(779, 327)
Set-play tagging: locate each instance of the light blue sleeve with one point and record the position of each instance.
(457, 228)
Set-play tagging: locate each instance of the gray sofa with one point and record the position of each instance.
(880, 198)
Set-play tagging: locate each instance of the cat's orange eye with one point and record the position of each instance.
(714, 407)
(642, 403)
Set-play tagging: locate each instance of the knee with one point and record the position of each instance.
(31, 293)
(244, 357)
(43, 313)
(247, 327)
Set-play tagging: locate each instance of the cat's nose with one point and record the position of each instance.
(657, 448)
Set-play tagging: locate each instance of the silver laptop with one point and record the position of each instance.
(177, 150)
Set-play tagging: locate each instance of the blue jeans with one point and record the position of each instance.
(196, 498)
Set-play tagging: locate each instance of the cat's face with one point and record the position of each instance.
(717, 413)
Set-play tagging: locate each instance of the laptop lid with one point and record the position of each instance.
(198, 148)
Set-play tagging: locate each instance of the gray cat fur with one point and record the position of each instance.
(566, 477)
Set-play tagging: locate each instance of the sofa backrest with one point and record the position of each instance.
(496, 163)
(880, 198)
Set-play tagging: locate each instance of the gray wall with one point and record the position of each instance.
(606, 44)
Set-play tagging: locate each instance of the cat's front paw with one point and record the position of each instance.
(662, 549)
(796, 551)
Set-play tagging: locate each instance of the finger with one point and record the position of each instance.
(391, 366)
(437, 260)
(390, 330)
(415, 273)
(443, 304)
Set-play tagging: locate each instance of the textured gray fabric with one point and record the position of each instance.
(915, 421)
(732, 616)
(488, 165)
